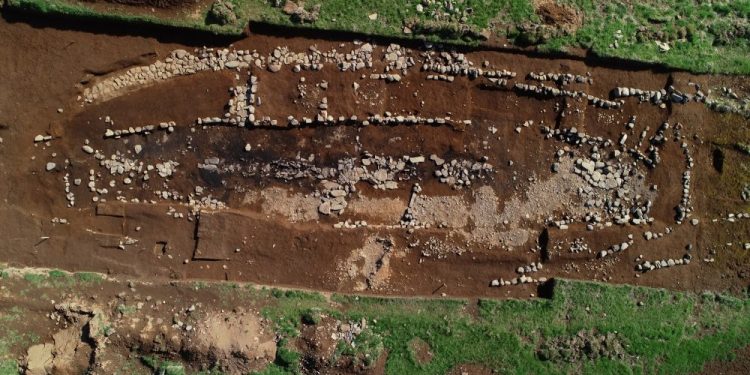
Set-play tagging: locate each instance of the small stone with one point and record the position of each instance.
(50, 166)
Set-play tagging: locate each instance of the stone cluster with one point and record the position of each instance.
(379, 171)
(664, 263)
(142, 130)
(533, 267)
(241, 105)
(649, 235)
(548, 91)
(658, 96)
(523, 279)
(42, 138)
(397, 58)
(733, 217)
(390, 78)
(456, 64)
(179, 62)
(682, 211)
(561, 78)
(616, 248)
(459, 173)
(408, 219)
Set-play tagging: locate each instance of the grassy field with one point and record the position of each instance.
(648, 330)
(701, 36)
(660, 331)
(198, 20)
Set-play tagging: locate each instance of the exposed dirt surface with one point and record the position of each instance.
(561, 16)
(100, 327)
(472, 183)
(739, 365)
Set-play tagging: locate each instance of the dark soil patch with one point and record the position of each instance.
(740, 365)
(560, 16)
(420, 350)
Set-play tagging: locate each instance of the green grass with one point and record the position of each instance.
(8, 367)
(704, 37)
(89, 277)
(81, 10)
(61, 279)
(672, 332)
(660, 331)
(162, 366)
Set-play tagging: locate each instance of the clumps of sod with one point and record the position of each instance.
(222, 12)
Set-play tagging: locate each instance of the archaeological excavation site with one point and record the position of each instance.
(321, 194)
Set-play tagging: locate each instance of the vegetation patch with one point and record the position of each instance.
(162, 366)
(586, 327)
(585, 345)
(693, 35)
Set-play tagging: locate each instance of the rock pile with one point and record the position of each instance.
(561, 78)
(241, 106)
(603, 174)
(658, 96)
(684, 208)
(280, 56)
(397, 58)
(408, 219)
(456, 64)
(554, 92)
(459, 173)
(533, 267)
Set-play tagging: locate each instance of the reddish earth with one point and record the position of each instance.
(54, 65)
(282, 241)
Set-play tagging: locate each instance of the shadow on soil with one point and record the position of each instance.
(197, 38)
(162, 33)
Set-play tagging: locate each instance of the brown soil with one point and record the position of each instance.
(105, 327)
(271, 235)
(421, 351)
(737, 366)
(470, 369)
(560, 16)
(557, 14)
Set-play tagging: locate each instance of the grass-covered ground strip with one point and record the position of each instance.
(649, 330)
(700, 36)
(585, 327)
(200, 19)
